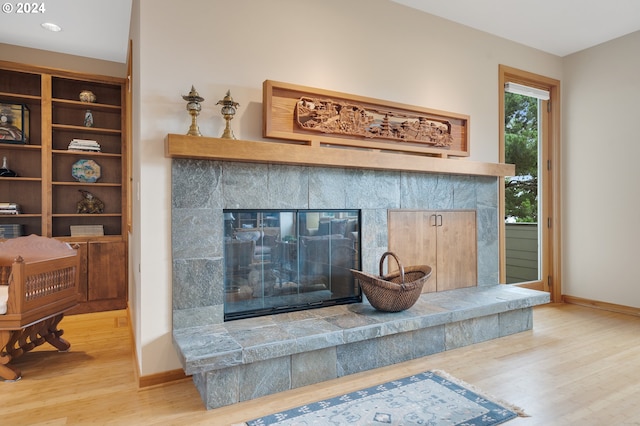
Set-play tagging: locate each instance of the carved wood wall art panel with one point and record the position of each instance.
(323, 118)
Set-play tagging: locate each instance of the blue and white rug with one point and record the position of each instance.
(432, 398)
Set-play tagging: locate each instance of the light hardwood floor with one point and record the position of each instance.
(577, 366)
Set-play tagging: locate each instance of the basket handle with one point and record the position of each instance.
(390, 253)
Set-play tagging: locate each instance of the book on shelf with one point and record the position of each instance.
(83, 145)
(11, 230)
(9, 208)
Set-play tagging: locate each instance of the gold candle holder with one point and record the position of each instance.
(228, 111)
(193, 106)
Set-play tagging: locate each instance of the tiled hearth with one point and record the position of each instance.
(233, 361)
(247, 359)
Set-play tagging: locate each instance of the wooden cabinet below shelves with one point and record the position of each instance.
(445, 240)
(103, 275)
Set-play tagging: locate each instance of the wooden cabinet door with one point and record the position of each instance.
(107, 271)
(457, 250)
(413, 240)
(83, 282)
(444, 240)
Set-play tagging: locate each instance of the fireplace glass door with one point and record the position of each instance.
(289, 260)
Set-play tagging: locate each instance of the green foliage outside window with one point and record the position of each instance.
(521, 149)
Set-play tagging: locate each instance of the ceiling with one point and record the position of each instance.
(91, 28)
(560, 27)
(100, 28)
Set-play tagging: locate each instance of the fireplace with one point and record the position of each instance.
(289, 260)
(203, 191)
(235, 361)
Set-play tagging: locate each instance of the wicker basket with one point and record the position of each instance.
(396, 291)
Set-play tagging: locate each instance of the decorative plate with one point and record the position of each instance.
(85, 171)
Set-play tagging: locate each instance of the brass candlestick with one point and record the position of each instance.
(228, 111)
(193, 106)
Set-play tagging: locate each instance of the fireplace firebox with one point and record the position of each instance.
(289, 260)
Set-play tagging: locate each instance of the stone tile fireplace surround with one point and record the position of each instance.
(201, 189)
(229, 361)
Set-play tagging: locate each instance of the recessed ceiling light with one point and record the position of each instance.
(51, 27)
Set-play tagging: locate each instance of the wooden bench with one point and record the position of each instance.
(39, 281)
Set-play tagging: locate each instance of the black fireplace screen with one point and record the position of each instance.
(289, 260)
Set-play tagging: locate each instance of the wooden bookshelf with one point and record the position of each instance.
(45, 188)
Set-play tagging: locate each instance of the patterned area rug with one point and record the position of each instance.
(431, 398)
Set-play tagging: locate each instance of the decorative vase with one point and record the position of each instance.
(88, 119)
(5, 171)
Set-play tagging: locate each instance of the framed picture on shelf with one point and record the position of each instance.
(14, 123)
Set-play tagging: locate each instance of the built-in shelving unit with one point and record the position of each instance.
(45, 189)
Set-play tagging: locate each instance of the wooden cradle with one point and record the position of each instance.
(42, 277)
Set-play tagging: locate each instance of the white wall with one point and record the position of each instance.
(372, 48)
(135, 311)
(601, 151)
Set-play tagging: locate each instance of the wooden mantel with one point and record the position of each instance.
(206, 148)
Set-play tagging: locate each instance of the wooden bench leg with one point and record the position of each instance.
(15, 343)
(52, 334)
(7, 373)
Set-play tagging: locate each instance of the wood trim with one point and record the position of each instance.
(97, 306)
(150, 380)
(134, 346)
(206, 148)
(534, 285)
(528, 78)
(46, 143)
(128, 129)
(556, 185)
(502, 230)
(161, 378)
(552, 263)
(56, 72)
(605, 306)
